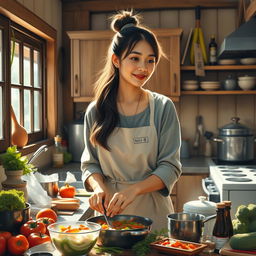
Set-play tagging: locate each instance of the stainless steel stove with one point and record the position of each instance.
(236, 183)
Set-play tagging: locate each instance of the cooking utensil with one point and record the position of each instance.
(123, 238)
(106, 218)
(51, 187)
(235, 142)
(187, 226)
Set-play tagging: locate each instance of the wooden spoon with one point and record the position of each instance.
(19, 133)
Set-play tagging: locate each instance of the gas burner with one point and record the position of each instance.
(229, 167)
(250, 167)
(235, 174)
(228, 170)
(239, 179)
(253, 170)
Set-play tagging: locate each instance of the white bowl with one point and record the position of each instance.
(248, 61)
(247, 78)
(246, 84)
(210, 85)
(190, 82)
(190, 87)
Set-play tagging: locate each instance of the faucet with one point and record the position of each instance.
(38, 152)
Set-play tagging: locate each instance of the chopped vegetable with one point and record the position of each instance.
(121, 224)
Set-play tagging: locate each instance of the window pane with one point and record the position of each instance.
(16, 102)
(37, 111)
(15, 70)
(27, 110)
(1, 113)
(26, 66)
(37, 83)
(1, 55)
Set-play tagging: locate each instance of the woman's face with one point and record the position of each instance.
(136, 68)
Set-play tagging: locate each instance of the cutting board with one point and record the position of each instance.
(227, 250)
(82, 192)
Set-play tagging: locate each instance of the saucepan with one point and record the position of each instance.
(187, 226)
(122, 238)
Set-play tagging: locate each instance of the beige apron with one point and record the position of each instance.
(132, 158)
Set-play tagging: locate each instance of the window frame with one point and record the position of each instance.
(22, 16)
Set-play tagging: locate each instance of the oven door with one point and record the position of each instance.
(211, 190)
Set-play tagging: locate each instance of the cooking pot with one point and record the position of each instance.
(235, 142)
(123, 238)
(187, 226)
(204, 207)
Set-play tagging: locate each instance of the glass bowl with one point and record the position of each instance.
(74, 238)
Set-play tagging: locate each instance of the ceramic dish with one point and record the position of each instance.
(189, 248)
(190, 87)
(227, 62)
(248, 61)
(210, 85)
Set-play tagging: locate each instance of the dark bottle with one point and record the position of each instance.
(220, 231)
(212, 51)
(228, 218)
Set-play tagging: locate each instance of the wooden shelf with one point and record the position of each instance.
(222, 67)
(238, 92)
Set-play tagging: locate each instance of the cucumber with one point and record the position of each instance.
(246, 241)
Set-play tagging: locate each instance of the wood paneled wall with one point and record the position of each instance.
(216, 110)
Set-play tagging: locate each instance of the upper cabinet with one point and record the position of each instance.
(89, 51)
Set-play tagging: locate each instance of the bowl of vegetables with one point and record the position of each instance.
(125, 230)
(74, 238)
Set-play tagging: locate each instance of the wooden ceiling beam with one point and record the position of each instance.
(110, 5)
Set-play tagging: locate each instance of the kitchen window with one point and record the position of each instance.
(22, 82)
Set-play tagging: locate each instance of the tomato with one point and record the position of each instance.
(17, 245)
(67, 191)
(5, 234)
(38, 238)
(2, 245)
(32, 226)
(47, 212)
(47, 222)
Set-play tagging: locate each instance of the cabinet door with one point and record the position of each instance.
(189, 188)
(87, 61)
(166, 79)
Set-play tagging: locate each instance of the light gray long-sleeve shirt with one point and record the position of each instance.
(168, 131)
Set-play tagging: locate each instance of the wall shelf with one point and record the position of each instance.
(237, 92)
(222, 67)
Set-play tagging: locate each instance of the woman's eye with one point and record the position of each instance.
(134, 58)
(151, 61)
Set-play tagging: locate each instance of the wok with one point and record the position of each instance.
(123, 238)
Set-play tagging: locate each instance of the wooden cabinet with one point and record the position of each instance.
(88, 53)
(188, 188)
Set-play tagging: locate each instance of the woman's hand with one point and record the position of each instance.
(98, 198)
(120, 201)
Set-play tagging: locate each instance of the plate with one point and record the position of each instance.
(164, 245)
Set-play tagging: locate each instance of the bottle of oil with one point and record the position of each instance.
(228, 218)
(57, 157)
(220, 231)
(212, 51)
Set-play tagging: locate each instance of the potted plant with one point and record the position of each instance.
(15, 165)
(14, 211)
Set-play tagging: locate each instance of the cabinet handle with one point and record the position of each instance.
(76, 84)
(174, 83)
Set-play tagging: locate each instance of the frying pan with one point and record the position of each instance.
(123, 238)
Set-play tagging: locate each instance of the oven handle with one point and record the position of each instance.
(204, 187)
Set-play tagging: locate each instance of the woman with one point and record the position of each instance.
(132, 135)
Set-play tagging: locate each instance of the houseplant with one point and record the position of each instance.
(15, 165)
(14, 211)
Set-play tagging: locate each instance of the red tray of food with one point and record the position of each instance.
(177, 247)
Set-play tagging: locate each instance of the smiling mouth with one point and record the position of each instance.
(140, 77)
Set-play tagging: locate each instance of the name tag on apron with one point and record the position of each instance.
(140, 140)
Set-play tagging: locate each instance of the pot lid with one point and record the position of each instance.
(235, 128)
(201, 206)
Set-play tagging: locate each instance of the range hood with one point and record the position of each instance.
(241, 43)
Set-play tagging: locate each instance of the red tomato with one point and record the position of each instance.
(17, 245)
(32, 226)
(47, 212)
(47, 222)
(67, 191)
(5, 234)
(2, 245)
(37, 238)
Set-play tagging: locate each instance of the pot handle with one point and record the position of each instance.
(135, 233)
(210, 218)
(218, 140)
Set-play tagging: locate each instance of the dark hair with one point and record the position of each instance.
(128, 33)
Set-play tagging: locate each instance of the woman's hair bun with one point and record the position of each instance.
(122, 18)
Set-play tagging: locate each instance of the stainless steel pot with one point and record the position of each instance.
(123, 238)
(187, 226)
(235, 142)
